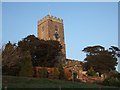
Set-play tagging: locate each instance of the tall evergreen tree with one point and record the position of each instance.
(26, 66)
(11, 56)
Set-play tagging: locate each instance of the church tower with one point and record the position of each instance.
(51, 28)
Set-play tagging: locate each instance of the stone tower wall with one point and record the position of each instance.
(46, 30)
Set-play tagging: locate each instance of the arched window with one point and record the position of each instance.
(56, 28)
(42, 28)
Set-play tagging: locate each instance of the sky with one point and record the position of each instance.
(85, 23)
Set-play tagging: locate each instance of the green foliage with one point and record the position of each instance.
(115, 50)
(61, 70)
(91, 72)
(56, 73)
(100, 59)
(10, 59)
(74, 76)
(26, 66)
(13, 70)
(43, 53)
(111, 81)
(44, 84)
(43, 72)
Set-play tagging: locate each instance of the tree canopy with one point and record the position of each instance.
(41, 53)
(100, 59)
(11, 56)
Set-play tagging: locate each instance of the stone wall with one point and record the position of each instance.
(48, 27)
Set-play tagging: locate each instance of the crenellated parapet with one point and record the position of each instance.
(50, 18)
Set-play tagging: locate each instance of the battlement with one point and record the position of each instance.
(50, 18)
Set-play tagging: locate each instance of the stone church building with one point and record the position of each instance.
(52, 28)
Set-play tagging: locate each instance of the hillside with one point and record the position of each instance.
(25, 82)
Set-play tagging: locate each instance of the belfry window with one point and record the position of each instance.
(56, 28)
(42, 28)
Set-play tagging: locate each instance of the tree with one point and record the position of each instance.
(26, 66)
(43, 53)
(115, 51)
(100, 59)
(10, 59)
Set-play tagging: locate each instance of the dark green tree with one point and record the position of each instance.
(115, 51)
(100, 59)
(43, 53)
(26, 66)
(10, 59)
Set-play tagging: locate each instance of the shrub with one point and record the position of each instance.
(61, 71)
(74, 76)
(56, 73)
(43, 73)
(91, 72)
(26, 66)
(114, 80)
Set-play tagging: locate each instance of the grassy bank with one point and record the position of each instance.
(25, 82)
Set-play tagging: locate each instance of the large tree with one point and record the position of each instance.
(100, 59)
(43, 53)
(10, 59)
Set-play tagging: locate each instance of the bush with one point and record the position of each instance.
(74, 76)
(56, 73)
(111, 81)
(26, 66)
(91, 72)
(12, 71)
(43, 73)
(78, 80)
(61, 72)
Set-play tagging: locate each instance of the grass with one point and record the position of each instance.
(27, 82)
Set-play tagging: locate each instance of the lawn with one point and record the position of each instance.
(26, 82)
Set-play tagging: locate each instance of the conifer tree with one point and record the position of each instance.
(26, 66)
